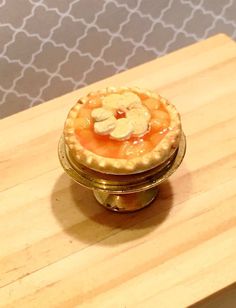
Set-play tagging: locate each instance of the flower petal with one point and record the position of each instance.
(105, 127)
(121, 101)
(111, 101)
(132, 100)
(123, 130)
(141, 112)
(100, 114)
(140, 125)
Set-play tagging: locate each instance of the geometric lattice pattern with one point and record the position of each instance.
(52, 47)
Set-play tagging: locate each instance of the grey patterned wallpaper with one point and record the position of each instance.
(51, 47)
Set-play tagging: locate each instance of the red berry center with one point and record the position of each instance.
(120, 114)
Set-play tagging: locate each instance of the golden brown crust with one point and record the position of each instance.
(158, 155)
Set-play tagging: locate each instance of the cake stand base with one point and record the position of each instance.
(126, 202)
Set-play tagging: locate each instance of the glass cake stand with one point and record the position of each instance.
(122, 193)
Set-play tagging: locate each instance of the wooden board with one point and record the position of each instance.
(58, 247)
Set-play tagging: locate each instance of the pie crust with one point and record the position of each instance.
(158, 155)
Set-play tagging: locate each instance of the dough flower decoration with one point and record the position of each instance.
(121, 116)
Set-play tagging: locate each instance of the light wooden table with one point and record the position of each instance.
(58, 247)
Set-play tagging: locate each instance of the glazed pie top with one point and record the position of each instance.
(122, 130)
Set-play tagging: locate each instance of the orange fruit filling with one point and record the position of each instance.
(133, 147)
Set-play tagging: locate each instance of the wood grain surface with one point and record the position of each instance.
(58, 247)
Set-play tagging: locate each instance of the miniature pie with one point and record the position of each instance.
(122, 130)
